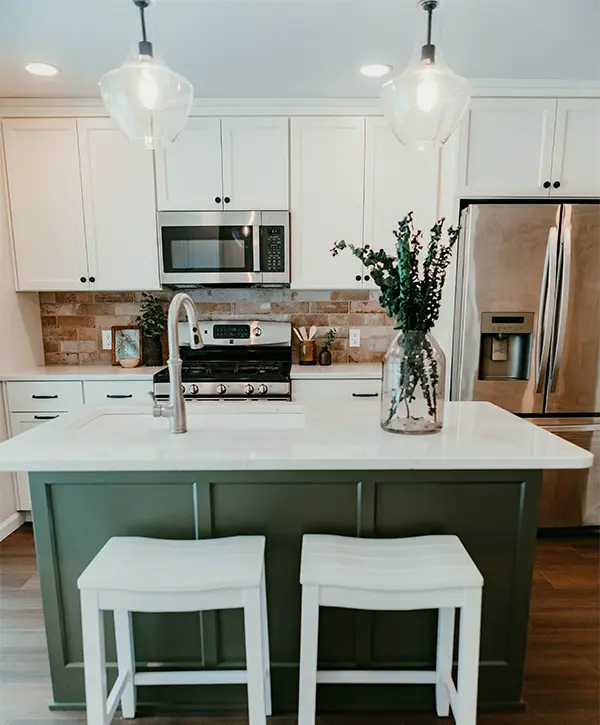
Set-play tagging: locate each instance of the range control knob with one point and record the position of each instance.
(263, 389)
(221, 389)
(194, 389)
(248, 389)
(183, 390)
(257, 331)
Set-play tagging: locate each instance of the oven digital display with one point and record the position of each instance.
(231, 332)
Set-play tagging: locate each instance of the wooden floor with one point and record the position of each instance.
(562, 671)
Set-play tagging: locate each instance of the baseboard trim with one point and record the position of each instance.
(11, 524)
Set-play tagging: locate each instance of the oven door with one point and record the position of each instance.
(210, 247)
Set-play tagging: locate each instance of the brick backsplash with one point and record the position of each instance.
(72, 322)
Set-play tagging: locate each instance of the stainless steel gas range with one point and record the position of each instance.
(240, 360)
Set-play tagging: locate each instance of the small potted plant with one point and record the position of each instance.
(152, 322)
(325, 353)
(411, 282)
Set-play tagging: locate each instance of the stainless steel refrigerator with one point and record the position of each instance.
(527, 331)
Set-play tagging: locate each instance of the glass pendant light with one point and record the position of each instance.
(425, 103)
(150, 102)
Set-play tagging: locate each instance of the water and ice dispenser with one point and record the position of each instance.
(506, 345)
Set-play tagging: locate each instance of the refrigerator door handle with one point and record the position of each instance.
(546, 311)
(566, 255)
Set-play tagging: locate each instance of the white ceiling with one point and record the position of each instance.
(293, 48)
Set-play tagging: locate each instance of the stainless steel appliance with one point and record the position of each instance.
(527, 331)
(239, 361)
(224, 248)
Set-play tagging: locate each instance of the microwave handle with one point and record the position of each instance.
(256, 248)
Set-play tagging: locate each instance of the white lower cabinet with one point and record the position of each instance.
(106, 392)
(44, 396)
(335, 390)
(20, 423)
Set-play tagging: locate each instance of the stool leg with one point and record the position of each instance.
(126, 660)
(266, 653)
(468, 658)
(94, 659)
(445, 646)
(255, 665)
(309, 645)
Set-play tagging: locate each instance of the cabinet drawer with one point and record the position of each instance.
(359, 389)
(106, 392)
(44, 395)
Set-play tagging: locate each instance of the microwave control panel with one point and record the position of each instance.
(272, 249)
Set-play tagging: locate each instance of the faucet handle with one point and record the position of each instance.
(157, 408)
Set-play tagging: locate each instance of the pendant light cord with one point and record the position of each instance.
(428, 50)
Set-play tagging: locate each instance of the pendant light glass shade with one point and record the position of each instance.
(424, 104)
(150, 102)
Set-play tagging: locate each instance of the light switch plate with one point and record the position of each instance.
(354, 337)
(106, 340)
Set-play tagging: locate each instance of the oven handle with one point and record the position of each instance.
(256, 248)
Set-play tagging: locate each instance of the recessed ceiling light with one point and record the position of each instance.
(376, 70)
(42, 69)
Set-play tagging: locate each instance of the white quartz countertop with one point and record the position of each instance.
(338, 371)
(81, 372)
(226, 436)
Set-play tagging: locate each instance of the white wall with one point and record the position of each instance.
(20, 338)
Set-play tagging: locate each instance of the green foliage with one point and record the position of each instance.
(152, 320)
(411, 286)
(329, 339)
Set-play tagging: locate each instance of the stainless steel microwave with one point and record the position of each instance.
(224, 248)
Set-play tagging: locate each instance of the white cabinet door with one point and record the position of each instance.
(19, 423)
(113, 392)
(506, 147)
(327, 184)
(46, 207)
(256, 163)
(397, 180)
(189, 171)
(339, 390)
(120, 209)
(576, 161)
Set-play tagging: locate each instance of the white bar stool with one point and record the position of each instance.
(156, 575)
(425, 572)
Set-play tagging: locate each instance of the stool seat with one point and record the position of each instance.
(134, 564)
(416, 563)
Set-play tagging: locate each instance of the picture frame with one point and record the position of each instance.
(126, 342)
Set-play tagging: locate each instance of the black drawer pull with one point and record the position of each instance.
(119, 396)
(44, 397)
(44, 417)
(365, 395)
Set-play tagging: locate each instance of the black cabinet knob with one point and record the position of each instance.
(83, 279)
(556, 184)
(227, 200)
(218, 199)
(92, 279)
(367, 277)
(358, 277)
(546, 184)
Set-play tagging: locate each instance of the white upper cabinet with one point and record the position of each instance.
(397, 180)
(235, 163)
(46, 208)
(189, 171)
(327, 185)
(120, 208)
(576, 160)
(256, 163)
(505, 147)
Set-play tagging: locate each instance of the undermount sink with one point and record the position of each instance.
(200, 417)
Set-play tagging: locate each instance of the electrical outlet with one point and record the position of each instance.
(106, 340)
(354, 337)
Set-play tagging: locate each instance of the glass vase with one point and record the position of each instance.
(414, 370)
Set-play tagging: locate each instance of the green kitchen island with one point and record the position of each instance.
(283, 471)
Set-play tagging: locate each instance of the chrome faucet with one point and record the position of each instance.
(175, 410)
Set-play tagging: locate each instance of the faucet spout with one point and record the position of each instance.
(176, 407)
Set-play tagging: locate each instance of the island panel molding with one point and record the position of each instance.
(493, 512)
